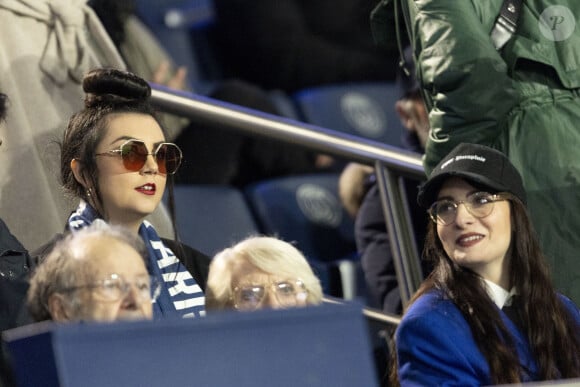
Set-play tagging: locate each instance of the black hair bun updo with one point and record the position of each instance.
(114, 87)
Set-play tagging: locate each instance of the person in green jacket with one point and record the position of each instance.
(522, 99)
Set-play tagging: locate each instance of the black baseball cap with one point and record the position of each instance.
(478, 164)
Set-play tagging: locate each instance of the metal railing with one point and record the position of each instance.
(391, 164)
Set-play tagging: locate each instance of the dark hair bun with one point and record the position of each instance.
(112, 87)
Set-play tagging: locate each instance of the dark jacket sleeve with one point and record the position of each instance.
(41, 252)
(374, 248)
(15, 267)
(196, 262)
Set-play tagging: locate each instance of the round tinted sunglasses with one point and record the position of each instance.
(134, 154)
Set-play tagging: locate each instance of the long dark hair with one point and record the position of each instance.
(551, 330)
(108, 91)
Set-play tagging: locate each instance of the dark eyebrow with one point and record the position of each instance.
(470, 193)
(124, 138)
(127, 138)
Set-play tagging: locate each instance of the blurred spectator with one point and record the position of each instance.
(294, 44)
(352, 186)
(261, 272)
(83, 279)
(359, 191)
(15, 265)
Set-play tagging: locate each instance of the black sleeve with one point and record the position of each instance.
(15, 268)
(373, 245)
(196, 262)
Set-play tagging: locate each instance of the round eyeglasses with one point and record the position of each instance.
(115, 288)
(479, 204)
(287, 293)
(134, 154)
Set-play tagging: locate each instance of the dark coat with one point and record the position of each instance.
(15, 266)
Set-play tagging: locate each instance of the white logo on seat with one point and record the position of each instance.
(364, 114)
(319, 205)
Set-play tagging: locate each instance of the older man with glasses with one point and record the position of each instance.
(95, 274)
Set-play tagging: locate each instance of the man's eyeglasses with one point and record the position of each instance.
(134, 154)
(115, 288)
(288, 294)
(479, 204)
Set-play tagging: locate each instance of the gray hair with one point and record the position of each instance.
(65, 266)
(269, 254)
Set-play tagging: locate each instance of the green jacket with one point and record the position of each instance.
(523, 100)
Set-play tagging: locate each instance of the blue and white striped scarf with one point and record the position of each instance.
(180, 295)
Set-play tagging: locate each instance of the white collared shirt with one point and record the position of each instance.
(499, 295)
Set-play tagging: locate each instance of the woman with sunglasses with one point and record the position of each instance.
(488, 313)
(116, 160)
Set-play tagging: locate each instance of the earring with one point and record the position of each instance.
(89, 192)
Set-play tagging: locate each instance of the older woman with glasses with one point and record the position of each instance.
(84, 279)
(261, 272)
(116, 160)
(488, 313)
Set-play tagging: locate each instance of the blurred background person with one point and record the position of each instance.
(295, 44)
(95, 274)
(261, 272)
(15, 264)
(360, 194)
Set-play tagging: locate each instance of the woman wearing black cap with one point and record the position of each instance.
(488, 313)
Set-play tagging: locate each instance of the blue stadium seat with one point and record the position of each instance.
(212, 217)
(181, 28)
(306, 210)
(321, 346)
(361, 109)
(184, 28)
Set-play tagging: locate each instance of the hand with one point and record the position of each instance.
(163, 76)
(414, 118)
(323, 161)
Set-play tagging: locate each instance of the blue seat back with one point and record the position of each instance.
(180, 26)
(212, 217)
(362, 109)
(305, 209)
(319, 346)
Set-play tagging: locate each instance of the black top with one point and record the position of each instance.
(15, 265)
